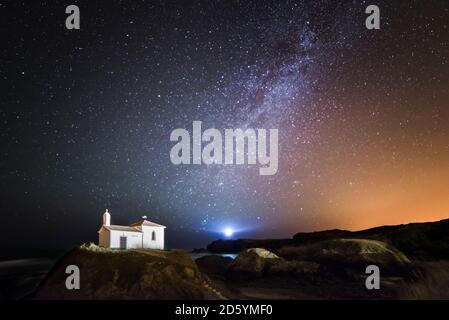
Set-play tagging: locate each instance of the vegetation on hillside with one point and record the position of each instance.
(126, 274)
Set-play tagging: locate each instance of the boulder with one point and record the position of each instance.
(250, 263)
(239, 245)
(262, 253)
(213, 264)
(281, 267)
(357, 253)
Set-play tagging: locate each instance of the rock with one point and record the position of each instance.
(236, 246)
(423, 241)
(213, 264)
(250, 263)
(257, 262)
(348, 249)
(189, 273)
(343, 253)
(125, 274)
(263, 253)
(310, 237)
(281, 267)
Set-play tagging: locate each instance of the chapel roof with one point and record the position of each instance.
(122, 228)
(146, 223)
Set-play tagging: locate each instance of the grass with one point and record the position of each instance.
(348, 249)
(126, 274)
(433, 284)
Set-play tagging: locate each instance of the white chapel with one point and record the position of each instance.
(142, 234)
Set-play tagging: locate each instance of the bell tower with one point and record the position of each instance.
(106, 218)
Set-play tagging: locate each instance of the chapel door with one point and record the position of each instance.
(123, 242)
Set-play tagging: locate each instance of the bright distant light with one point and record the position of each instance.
(228, 232)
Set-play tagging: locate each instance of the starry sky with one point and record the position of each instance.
(86, 116)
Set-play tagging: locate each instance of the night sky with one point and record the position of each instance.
(86, 116)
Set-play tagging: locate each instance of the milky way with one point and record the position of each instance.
(87, 115)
